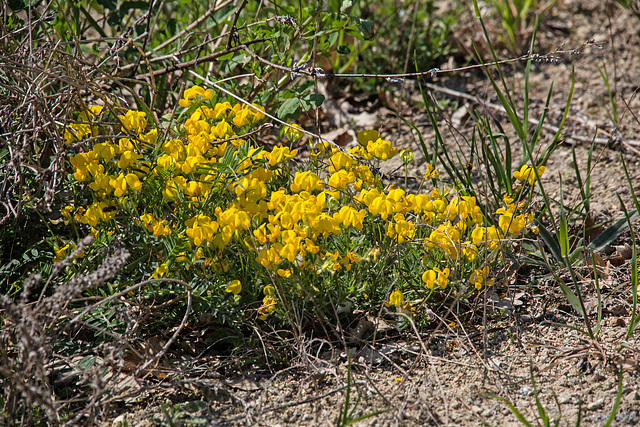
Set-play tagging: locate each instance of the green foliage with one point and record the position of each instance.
(346, 416)
(515, 16)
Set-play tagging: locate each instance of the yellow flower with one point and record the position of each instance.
(76, 132)
(195, 94)
(526, 173)
(373, 254)
(293, 132)
(443, 275)
(160, 271)
(396, 298)
(201, 229)
(61, 253)
(341, 179)
(234, 287)
(268, 305)
(349, 216)
(128, 158)
(340, 160)
(306, 181)
(284, 273)
(381, 149)
(429, 278)
(431, 172)
(134, 121)
(280, 154)
(478, 277)
(509, 223)
(487, 235)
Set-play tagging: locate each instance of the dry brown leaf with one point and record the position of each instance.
(591, 229)
(625, 251)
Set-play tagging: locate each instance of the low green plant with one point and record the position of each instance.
(255, 234)
(515, 16)
(345, 417)
(181, 414)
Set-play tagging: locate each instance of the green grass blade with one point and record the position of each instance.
(633, 193)
(563, 234)
(513, 409)
(550, 241)
(536, 133)
(597, 285)
(525, 109)
(610, 234)
(541, 411)
(581, 187)
(616, 404)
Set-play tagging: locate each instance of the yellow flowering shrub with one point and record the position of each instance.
(216, 207)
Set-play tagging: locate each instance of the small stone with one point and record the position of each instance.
(120, 421)
(634, 395)
(564, 398)
(487, 413)
(596, 405)
(526, 390)
(476, 409)
(456, 405)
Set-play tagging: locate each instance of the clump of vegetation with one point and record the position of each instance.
(261, 232)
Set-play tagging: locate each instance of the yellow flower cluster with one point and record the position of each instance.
(76, 132)
(526, 173)
(222, 196)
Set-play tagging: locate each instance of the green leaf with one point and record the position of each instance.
(550, 241)
(610, 234)
(616, 404)
(313, 99)
(194, 406)
(344, 49)
(366, 28)
(571, 297)
(289, 109)
(87, 362)
(563, 236)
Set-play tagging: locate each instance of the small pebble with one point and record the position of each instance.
(634, 395)
(456, 405)
(596, 405)
(121, 420)
(476, 409)
(526, 390)
(564, 398)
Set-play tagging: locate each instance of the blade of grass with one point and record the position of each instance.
(616, 404)
(541, 411)
(513, 409)
(550, 241)
(597, 285)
